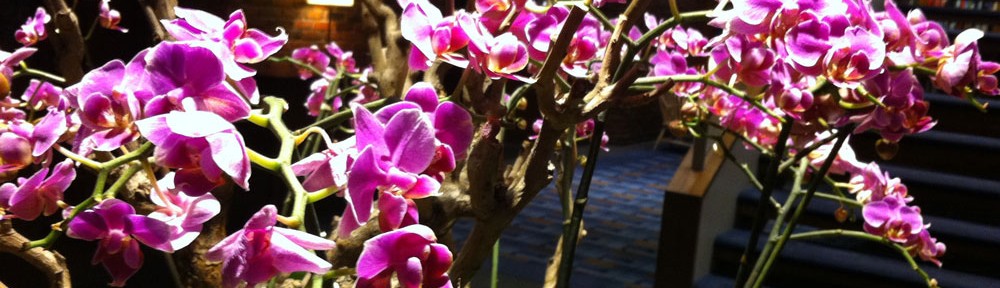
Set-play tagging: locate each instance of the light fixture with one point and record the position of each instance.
(340, 3)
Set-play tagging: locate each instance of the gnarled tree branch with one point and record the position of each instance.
(50, 262)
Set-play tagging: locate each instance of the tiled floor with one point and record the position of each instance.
(622, 221)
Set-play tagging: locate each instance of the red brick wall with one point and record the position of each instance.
(305, 24)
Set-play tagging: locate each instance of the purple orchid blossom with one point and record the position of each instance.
(744, 59)
(7, 63)
(107, 107)
(40, 95)
(311, 56)
(539, 30)
(496, 57)
(327, 168)
(927, 247)
(380, 162)
(116, 225)
(261, 251)
(109, 18)
(905, 110)
(871, 184)
(38, 195)
(187, 76)
(428, 133)
(184, 213)
(25, 143)
(15, 153)
(315, 102)
(493, 12)
(891, 218)
(959, 66)
(433, 36)
(33, 29)
(345, 59)
(242, 45)
(857, 56)
(202, 146)
(410, 253)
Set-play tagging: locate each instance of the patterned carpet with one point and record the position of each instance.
(622, 221)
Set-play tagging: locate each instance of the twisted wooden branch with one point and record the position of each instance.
(50, 262)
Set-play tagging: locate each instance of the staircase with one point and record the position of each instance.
(952, 171)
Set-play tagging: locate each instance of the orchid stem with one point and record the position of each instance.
(868, 237)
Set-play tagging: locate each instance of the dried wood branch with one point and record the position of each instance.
(67, 41)
(50, 262)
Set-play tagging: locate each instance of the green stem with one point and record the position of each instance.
(263, 161)
(495, 270)
(98, 195)
(838, 198)
(813, 185)
(124, 178)
(869, 237)
(298, 63)
(767, 189)
(656, 32)
(339, 117)
(128, 157)
(781, 218)
(40, 74)
(704, 80)
(569, 243)
(78, 158)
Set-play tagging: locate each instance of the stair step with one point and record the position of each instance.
(940, 193)
(819, 265)
(958, 116)
(954, 153)
(972, 247)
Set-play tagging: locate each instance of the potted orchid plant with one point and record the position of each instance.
(409, 153)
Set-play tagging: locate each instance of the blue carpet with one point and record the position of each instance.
(622, 221)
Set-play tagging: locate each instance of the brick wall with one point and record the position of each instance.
(305, 24)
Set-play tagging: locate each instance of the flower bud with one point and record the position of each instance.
(4, 86)
(677, 128)
(522, 104)
(689, 110)
(522, 124)
(841, 214)
(886, 149)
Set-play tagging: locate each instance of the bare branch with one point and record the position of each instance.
(50, 262)
(67, 41)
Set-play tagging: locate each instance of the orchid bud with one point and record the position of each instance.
(4, 86)
(522, 104)
(886, 149)
(689, 110)
(841, 215)
(677, 128)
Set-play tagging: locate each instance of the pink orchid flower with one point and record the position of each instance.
(410, 253)
(202, 146)
(116, 225)
(890, 217)
(310, 56)
(107, 107)
(40, 95)
(261, 251)
(186, 76)
(109, 18)
(184, 213)
(327, 168)
(33, 29)
(434, 37)
(242, 44)
(38, 195)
